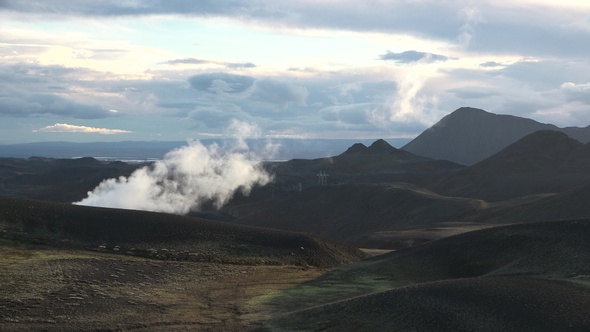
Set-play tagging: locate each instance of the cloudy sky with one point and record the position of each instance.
(86, 70)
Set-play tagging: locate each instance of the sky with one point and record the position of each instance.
(175, 70)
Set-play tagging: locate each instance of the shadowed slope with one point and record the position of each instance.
(355, 211)
(557, 248)
(477, 304)
(61, 180)
(542, 162)
(380, 162)
(488, 280)
(163, 236)
(572, 204)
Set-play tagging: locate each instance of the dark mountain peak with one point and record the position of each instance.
(545, 161)
(470, 116)
(470, 111)
(547, 135)
(469, 135)
(541, 143)
(381, 146)
(84, 161)
(356, 148)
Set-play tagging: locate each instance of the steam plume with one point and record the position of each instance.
(182, 181)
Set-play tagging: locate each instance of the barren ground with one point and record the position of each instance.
(46, 289)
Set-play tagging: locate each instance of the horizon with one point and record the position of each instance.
(134, 151)
(173, 71)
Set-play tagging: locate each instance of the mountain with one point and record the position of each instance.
(149, 150)
(571, 204)
(469, 135)
(380, 162)
(531, 277)
(540, 163)
(380, 146)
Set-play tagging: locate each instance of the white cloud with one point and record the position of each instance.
(68, 128)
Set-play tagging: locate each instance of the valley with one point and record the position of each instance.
(498, 242)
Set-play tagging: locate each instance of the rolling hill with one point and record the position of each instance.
(59, 180)
(380, 162)
(163, 236)
(356, 213)
(540, 163)
(531, 277)
(469, 135)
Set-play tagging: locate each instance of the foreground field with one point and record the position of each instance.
(73, 268)
(70, 268)
(46, 289)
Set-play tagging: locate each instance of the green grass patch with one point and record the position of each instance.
(318, 292)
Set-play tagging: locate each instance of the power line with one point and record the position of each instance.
(322, 178)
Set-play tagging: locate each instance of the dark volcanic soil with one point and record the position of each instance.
(478, 304)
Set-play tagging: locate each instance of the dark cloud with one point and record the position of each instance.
(303, 70)
(221, 82)
(534, 29)
(576, 92)
(31, 74)
(536, 36)
(544, 75)
(21, 104)
(413, 56)
(474, 92)
(523, 108)
(194, 61)
(278, 93)
(349, 114)
(490, 64)
(28, 90)
(216, 116)
(240, 65)
(187, 61)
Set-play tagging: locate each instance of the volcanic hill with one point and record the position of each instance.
(380, 162)
(164, 236)
(469, 135)
(540, 163)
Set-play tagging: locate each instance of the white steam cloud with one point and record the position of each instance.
(184, 180)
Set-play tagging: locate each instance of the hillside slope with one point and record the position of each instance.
(531, 277)
(542, 162)
(478, 304)
(379, 162)
(469, 135)
(354, 212)
(163, 236)
(60, 180)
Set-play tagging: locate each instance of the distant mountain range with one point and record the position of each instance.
(469, 135)
(466, 136)
(150, 150)
(379, 162)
